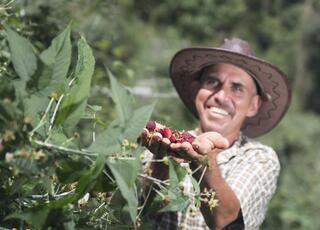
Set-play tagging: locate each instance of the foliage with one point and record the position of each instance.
(136, 39)
(46, 176)
(47, 173)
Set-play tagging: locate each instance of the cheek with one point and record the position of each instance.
(200, 99)
(242, 107)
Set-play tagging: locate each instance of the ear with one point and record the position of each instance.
(194, 88)
(254, 106)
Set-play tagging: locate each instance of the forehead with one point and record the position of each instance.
(225, 71)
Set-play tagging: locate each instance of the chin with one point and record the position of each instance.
(212, 128)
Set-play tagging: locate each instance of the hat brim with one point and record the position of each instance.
(186, 67)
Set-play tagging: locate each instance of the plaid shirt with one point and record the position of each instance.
(251, 169)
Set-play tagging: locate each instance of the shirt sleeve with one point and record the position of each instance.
(254, 181)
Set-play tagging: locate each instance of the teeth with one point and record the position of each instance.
(218, 110)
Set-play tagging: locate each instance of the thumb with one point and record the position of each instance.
(217, 139)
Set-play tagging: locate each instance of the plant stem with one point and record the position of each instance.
(194, 171)
(41, 123)
(153, 179)
(104, 171)
(64, 149)
(203, 172)
(158, 192)
(55, 111)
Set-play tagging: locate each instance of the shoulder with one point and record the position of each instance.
(258, 152)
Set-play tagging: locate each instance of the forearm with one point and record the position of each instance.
(228, 205)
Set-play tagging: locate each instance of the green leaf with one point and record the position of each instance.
(195, 184)
(137, 122)
(176, 173)
(128, 169)
(22, 55)
(58, 56)
(122, 98)
(86, 183)
(179, 204)
(34, 105)
(88, 180)
(70, 171)
(7, 111)
(26, 166)
(37, 217)
(125, 173)
(109, 141)
(74, 103)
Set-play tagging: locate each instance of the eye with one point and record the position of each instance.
(210, 83)
(237, 88)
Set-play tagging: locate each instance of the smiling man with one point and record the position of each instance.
(236, 97)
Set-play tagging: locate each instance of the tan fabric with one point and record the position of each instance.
(251, 169)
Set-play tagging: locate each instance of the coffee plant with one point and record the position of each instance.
(49, 178)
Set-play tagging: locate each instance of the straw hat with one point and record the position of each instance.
(187, 65)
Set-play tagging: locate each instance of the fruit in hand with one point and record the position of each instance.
(173, 135)
(151, 125)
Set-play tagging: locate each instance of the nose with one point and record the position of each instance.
(220, 96)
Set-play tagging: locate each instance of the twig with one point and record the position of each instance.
(41, 123)
(153, 179)
(197, 169)
(158, 192)
(104, 171)
(55, 111)
(203, 172)
(100, 206)
(55, 196)
(64, 149)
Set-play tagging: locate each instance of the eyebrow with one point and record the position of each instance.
(210, 75)
(237, 83)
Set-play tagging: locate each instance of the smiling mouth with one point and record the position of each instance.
(218, 110)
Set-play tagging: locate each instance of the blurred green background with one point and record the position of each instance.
(137, 38)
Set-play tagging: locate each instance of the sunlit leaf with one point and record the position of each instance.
(180, 203)
(22, 55)
(137, 122)
(58, 56)
(74, 102)
(176, 173)
(125, 173)
(122, 98)
(109, 141)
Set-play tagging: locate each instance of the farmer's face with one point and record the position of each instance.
(226, 97)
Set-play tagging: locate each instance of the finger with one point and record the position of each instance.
(221, 143)
(144, 137)
(203, 146)
(218, 140)
(155, 142)
(186, 151)
(164, 146)
(178, 159)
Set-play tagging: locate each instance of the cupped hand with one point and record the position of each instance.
(155, 143)
(208, 141)
(204, 144)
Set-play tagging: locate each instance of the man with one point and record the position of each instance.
(236, 97)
